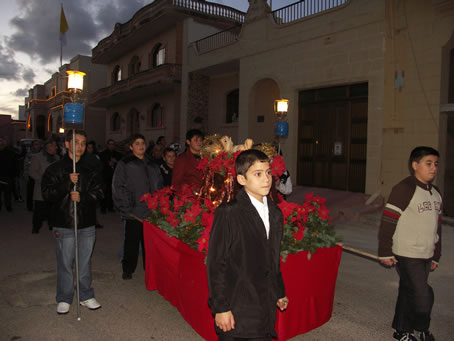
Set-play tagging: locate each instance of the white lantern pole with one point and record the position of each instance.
(76, 82)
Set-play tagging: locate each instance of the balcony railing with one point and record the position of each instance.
(166, 73)
(217, 40)
(304, 8)
(210, 9)
(156, 8)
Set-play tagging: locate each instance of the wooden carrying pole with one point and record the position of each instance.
(76, 248)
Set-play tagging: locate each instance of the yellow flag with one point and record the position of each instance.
(63, 23)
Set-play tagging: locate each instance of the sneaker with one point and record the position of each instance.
(404, 336)
(63, 308)
(91, 304)
(425, 336)
(126, 275)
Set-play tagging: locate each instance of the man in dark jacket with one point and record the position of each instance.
(109, 158)
(61, 186)
(135, 175)
(7, 173)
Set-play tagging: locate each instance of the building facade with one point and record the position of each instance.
(367, 81)
(145, 58)
(44, 106)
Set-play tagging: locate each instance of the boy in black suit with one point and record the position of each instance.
(243, 262)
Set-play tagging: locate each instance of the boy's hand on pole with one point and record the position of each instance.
(74, 177)
(388, 261)
(225, 321)
(282, 303)
(75, 196)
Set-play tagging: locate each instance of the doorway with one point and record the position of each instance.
(332, 137)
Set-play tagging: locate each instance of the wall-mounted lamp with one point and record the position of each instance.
(61, 130)
(281, 106)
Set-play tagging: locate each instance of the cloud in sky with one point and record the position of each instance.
(36, 26)
(10, 69)
(20, 92)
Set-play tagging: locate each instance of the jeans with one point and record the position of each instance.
(65, 249)
(416, 297)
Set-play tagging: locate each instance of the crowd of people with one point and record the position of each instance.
(246, 232)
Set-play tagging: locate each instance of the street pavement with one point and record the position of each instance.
(363, 304)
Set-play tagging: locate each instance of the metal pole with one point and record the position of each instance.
(76, 248)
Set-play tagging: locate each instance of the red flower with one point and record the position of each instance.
(299, 234)
(192, 213)
(277, 166)
(202, 242)
(172, 219)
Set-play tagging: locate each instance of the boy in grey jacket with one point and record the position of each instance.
(135, 175)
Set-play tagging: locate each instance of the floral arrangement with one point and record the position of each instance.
(188, 213)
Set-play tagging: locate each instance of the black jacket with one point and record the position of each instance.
(133, 178)
(56, 188)
(243, 266)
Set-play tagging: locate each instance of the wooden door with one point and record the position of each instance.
(333, 142)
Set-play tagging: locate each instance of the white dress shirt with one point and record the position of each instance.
(262, 209)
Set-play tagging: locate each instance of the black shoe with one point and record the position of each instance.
(35, 231)
(424, 336)
(9, 209)
(99, 226)
(404, 336)
(126, 276)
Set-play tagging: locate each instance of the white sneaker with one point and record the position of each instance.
(91, 304)
(63, 308)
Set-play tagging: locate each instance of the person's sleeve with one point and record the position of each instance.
(280, 280)
(178, 173)
(120, 193)
(54, 188)
(398, 201)
(437, 251)
(218, 249)
(33, 171)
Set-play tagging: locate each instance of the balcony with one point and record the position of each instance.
(157, 17)
(145, 83)
(303, 9)
(217, 40)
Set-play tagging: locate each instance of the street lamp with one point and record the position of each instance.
(75, 80)
(73, 117)
(281, 128)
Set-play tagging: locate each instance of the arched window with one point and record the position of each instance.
(232, 104)
(49, 122)
(116, 74)
(134, 66)
(155, 116)
(158, 55)
(115, 122)
(41, 126)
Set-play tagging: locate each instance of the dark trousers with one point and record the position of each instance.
(107, 202)
(5, 192)
(222, 337)
(416, 297)
(40, 214)
(30, 188)
(133, 238)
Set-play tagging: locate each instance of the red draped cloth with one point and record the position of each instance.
(179, 275)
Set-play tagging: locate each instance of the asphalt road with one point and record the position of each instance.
(363, 307)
